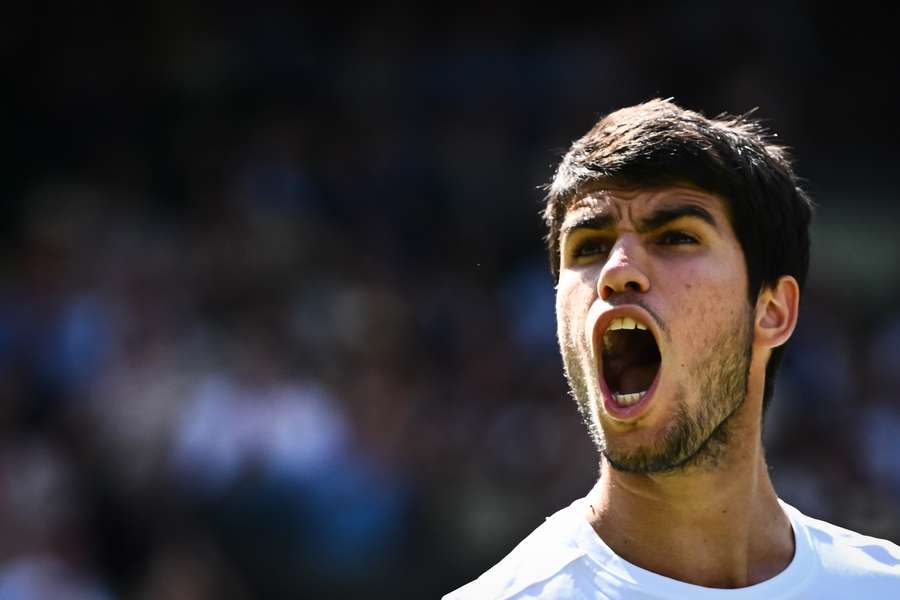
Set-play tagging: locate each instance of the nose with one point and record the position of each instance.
(624, 270)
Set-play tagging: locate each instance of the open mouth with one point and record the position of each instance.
(631, 360)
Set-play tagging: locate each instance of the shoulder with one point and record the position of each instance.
(549, 558)
(849, 554)
(846, 547)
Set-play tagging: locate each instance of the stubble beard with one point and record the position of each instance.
(694, 438)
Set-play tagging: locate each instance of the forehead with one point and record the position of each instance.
(624, 205)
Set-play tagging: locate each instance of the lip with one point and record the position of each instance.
(611, 407)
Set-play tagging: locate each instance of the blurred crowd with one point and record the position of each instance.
(275, 316)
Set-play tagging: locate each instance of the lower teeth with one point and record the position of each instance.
(628, 399)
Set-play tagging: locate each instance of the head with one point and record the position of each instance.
(699, 225)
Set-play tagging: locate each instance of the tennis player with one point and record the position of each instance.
(680, 246)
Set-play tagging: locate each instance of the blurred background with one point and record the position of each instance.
(275, 314)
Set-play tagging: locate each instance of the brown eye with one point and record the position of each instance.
(590, 248)
(677, 238)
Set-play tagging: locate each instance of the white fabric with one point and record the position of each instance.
(565, 559)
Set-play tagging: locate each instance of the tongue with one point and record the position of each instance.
(636, 378)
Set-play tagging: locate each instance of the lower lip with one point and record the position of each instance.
(633, 411)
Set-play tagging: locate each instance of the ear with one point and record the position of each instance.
(777, 308)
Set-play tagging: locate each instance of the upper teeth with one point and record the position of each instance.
(625, 323)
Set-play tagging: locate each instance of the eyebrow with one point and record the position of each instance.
(656, 220)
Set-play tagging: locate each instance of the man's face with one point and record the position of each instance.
(654, 323)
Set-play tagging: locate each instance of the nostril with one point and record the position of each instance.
(610, 284)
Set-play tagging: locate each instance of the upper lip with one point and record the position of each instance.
(634, 311)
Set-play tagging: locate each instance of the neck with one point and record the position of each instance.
(718, 527)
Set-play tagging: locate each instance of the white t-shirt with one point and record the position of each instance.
(565, 558)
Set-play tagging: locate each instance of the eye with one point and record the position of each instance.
(677, 238)
(590, 247)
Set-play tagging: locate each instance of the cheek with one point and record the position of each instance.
(707, 308)
(572, 304)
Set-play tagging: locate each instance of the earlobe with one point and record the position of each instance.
(776, 312)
